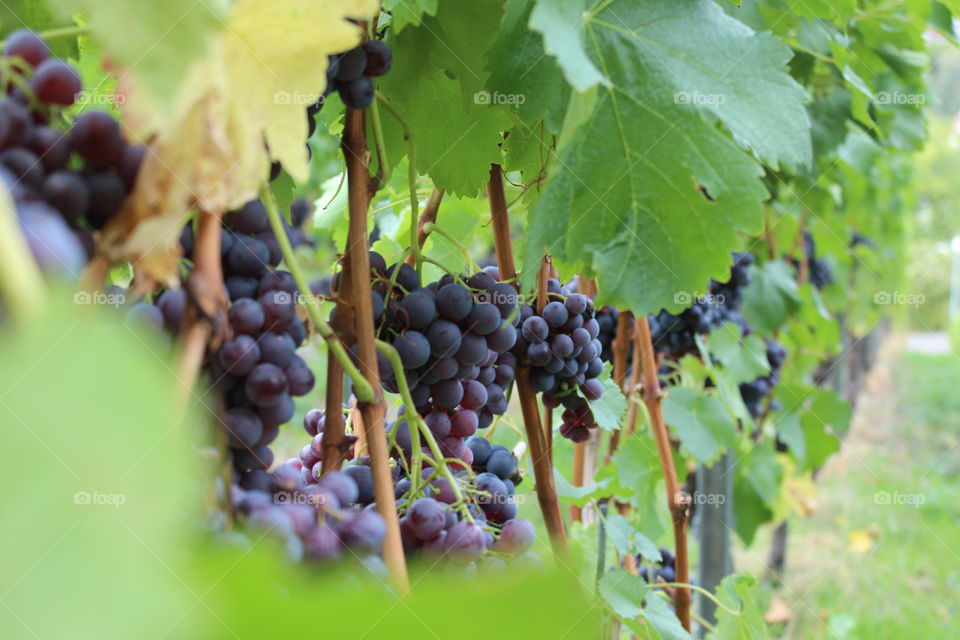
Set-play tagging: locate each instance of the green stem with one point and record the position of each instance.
(391, 354)
(432, 227)
(361, 386)
(60, 32)
(383, 175)
(700, 590)
(21, 282)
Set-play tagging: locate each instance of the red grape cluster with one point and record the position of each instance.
(560, 345)
(66, 184)
(320, 519)
(257, 369)
(453, 338)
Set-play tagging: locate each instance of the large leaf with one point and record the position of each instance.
(700, 420)
(625, 191)
(522, 73)
(438, 85)
(627, 540)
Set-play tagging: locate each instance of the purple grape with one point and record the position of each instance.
(413, 347)
(239, 356)
(340, 485)
(464, 423)
(28, 45)
(379, 58)
(321, 544)
(129, 163)
(474, 395)
(67, 192)
(454, 302)
(484, 319)
(363, 477)
(502, 339)
(250, 219)
(279, 309)
(438, 423)
(299, 377)
(465, 541)
(51, 146)
(446, 393)
(277, 348)
(243, 427)
(444, 338)
(95, 136)
(266, 384)
(555, 314)
(592, 389)
(172, 304)
(248, 257)
(280, 413)
(56, 83)
(473, 349)
(246, 316)
(362, 531)
(426, 518)
(561, 345)
(535, 329)
(351, 64)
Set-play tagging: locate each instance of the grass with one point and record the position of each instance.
(894, 490)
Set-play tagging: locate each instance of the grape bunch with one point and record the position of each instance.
(607, 318)
(65, 184)
(430, 525)
(561, 347)
(665, 568)
(257, 370)
(319, 521)
(675, 335)
(819, 270)
(755, 392)
(350, 75)
(453, 338)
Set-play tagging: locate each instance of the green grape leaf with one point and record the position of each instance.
(561, 24)
(743, 359)
(623, 592)
(627, 540)
(790, 432)
(771, 297)
(701, 422)
(762, 469)
(283, 189)
(437, 86)
(625, 190)
(736, 592)
(522, 76)
(409, 12)
(610, 408)
(749, 509)
(659, 615)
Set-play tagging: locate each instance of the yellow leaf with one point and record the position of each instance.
(248, 94)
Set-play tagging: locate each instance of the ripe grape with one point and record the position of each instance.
(95, 136)
(55, 83)
(265, 384)
(379, 58)
(27, 45)
(239, 356)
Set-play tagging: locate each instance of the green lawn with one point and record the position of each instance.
(904, 582)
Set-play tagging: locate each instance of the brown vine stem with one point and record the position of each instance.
(333, 441)
(429, 216)
(205, 326)
(675, 497)
(358, 293)
(542, 467)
